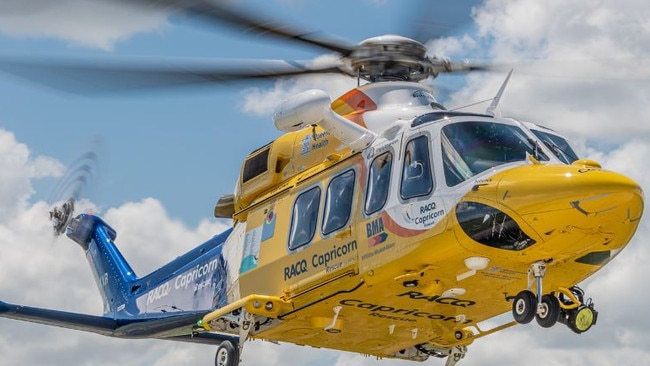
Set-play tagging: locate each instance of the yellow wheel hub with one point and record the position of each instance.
(584, 319)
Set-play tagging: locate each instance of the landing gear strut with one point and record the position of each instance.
(568, 307)
(453, 354)
(227, 353)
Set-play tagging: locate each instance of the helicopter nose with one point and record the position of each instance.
(580, 195)
(584, 187)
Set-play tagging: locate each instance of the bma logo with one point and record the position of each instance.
(375, 232)
(374, 227)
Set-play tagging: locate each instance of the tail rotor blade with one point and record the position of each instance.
(72, 187)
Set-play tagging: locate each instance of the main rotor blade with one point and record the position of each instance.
(445, 66)
(93, 76)
(215, 12)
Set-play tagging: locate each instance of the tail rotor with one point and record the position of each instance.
(82, 173)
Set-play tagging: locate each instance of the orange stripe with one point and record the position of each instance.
(395, 228)
(352, 105)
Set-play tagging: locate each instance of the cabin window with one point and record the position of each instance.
(378, 182)
(256, 165)
(416, 172)
(469, 148)
(338, 202)
(304, 218)
(559, 146)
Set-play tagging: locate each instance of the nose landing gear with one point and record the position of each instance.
(548, 311)
(524, 307)
(568, 307)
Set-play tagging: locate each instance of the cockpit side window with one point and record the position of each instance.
(338, 202)
(304, 218)
(416, 171)
(558, 145)
(469, 148)
(378, 182)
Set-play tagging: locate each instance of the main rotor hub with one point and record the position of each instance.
(390, 57)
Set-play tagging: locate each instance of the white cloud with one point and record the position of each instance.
(36, 272)
(91, 23)
(18, 170)
(150, 238)
(590, 75)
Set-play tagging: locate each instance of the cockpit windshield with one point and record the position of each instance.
(469, 148)
(558, 145)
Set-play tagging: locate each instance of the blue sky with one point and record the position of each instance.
(167, 157)
(183, 147)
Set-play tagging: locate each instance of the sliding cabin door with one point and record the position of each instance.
(305, 236)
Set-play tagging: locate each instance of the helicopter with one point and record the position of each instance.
(410, 214)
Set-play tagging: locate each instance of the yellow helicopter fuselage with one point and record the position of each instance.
(439, 253)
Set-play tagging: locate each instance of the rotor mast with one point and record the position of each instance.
(391, 57)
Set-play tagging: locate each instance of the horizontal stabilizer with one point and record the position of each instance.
(88, 323)
(165, 326)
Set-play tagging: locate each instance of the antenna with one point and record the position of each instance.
(491, 109)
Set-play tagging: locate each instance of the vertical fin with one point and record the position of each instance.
(492, 109)
(112, 273)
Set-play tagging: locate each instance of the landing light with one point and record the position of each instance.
(412, 283)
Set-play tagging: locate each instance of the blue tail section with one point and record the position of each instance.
(112, 273)
(193, 281)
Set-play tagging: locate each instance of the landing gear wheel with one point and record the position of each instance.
(581, 319)
(549, 311)
(227, 355)
(524, 307)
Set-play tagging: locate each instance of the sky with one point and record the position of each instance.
(581, 67)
